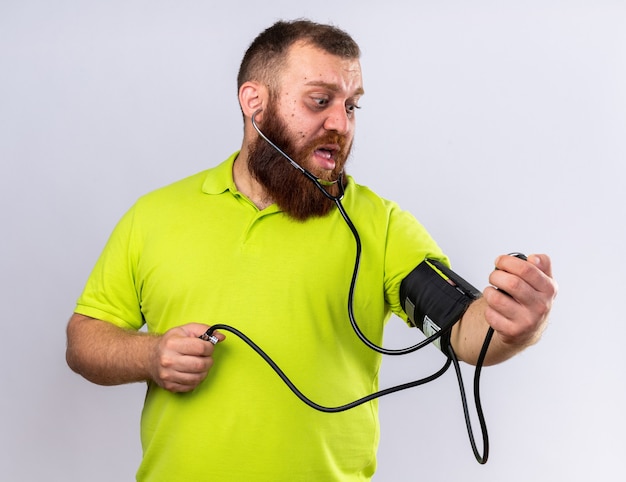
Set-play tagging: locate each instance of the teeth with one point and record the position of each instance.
(323, 153)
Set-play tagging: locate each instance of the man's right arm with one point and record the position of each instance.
(109, 355)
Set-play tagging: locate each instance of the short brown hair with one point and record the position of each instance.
(268, 52)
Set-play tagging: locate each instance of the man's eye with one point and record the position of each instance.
(320, 102)
(350, 108)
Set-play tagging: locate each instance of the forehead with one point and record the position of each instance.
(309, 65)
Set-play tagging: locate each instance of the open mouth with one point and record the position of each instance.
(327, 153)
(325, 156)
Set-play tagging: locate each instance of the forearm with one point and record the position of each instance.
(106, 354)
(468, 336)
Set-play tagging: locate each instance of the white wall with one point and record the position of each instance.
(501, 125)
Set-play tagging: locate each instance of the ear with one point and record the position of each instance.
(253, 96)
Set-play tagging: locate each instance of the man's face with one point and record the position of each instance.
(311, 118)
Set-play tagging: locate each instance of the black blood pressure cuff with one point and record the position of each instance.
(434, 297)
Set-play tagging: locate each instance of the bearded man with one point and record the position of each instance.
(254, 243)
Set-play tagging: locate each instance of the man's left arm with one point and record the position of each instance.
(516, 306)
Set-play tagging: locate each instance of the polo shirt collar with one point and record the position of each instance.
(220, 178)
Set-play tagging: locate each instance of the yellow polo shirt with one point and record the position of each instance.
(200, 251)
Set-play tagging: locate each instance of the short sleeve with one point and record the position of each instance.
(110, 293)
(408, 244)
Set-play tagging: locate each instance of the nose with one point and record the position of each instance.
(337, 120)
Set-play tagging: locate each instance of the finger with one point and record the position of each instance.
(196, 330)
(509, 284)
(534, 277)
(178, 388)
(196, 347)
(182, 382)
(502, 303)
(494, 317)
(547, 284)
(194, 364)
(184, 369)
(543, 262)
(512, 320)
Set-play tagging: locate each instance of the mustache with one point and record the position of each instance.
(333, 143)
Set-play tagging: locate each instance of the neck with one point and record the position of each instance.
(247, 184)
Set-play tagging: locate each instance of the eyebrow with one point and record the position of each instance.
(332, 87)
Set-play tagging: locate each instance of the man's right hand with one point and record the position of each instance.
(181, 359)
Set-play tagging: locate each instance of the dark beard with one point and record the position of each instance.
(290, 189)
